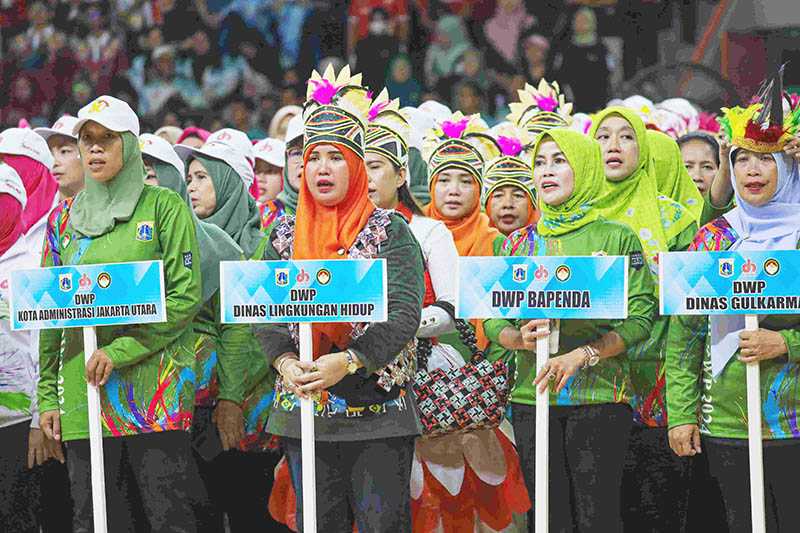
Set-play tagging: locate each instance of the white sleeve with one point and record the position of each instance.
(441, 257)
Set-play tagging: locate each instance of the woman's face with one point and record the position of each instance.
(756, 176)
(700, 162)
(456, 193)
(101, 151)
(509, 206)
(617, 139)
(554, 178)
(582, 23)
(67, 169)
(327, 175)
(269, 179)
(150, 176)
(201, 190)
(535, 53)
(294, 166)
(384, 180)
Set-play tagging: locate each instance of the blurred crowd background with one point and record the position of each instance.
(215, 63)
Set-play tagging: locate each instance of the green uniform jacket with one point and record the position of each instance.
(152, 386)
(648, 375)
(608, 381)
(231, 366)
(719, 405)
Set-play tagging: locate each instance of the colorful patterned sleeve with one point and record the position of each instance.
(50, 339)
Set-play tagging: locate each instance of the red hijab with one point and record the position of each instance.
(10, 224)
(321, 231)
(40, 186)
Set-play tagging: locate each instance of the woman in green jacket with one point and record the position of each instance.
(655, 480)
(590, 415)
(707, 356)
(145, 373)
(218, 177)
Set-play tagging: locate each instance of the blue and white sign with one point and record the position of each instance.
(88, 295)
(730, 283)
(345, 290)
(543, 287)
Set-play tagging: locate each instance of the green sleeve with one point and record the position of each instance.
(182, 286)
(681, 241)
(710, 212)
(49, 355)
(274, 339)
(494, 326)
(686, 339)
(792, 339)
(233, 346)
(641, 294)
(382, 341)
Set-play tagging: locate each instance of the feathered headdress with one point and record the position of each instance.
(512, 166)
(388, 130)
(764, 126)
(460, 141)
(540, 108)
(336, 110)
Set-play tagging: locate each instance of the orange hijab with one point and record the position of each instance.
(321, 231)
(474, 236)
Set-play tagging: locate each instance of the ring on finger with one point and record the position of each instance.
(551, 376)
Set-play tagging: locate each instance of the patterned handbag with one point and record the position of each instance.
(458, 400)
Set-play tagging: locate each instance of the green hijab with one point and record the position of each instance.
(635, 201)
(672, 178)
(288, 196)
(98, 207)
(214, 244)
(583, 155)
(443, 60)
(236, 213)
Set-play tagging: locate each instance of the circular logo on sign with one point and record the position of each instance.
(104, 280)
(563, 273)
(772, 267)
(323, 276)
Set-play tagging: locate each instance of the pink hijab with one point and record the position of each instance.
(503, 30)
(40, 186)
(10, 226)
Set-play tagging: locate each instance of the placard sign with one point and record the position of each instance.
(344, 290)
(88, 295)
(583, 287)
(733, 283)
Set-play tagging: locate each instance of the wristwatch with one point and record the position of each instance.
(352, 366)
(592, 356)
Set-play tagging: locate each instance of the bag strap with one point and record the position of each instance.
(465, 334)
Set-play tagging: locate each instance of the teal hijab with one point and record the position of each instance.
(214, 244)
(236, 213)
(98, 207)
(288, 196)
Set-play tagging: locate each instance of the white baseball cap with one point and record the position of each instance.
(272, 151)
(159, 148)
(294, 129)
(63, 126)
(23, 141)
(224, 152)
(109, 112)
(11, 183)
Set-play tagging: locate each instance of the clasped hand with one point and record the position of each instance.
(309, 378)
